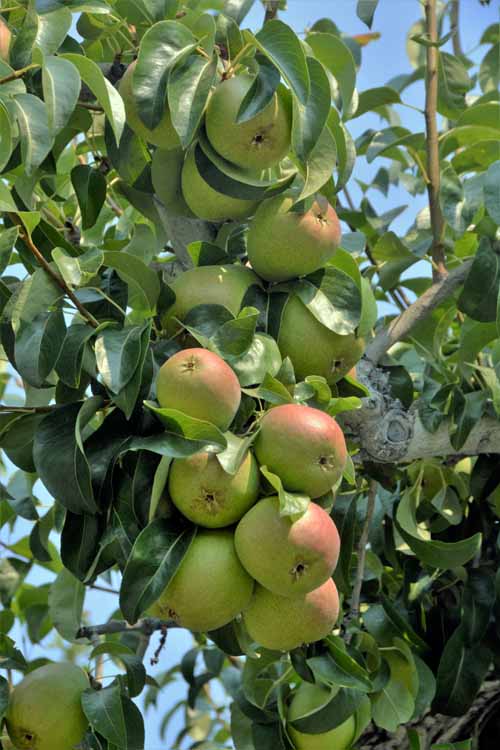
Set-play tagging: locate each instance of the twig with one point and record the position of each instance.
(27, 409)
(53, 274)
(146, 626)
(433, 186)
(92, 107)
(401, 326)
(156, 656)
(455, 27)
(95, 587)
(363, 542)
(272, 7)
(18, 73)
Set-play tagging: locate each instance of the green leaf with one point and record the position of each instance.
(10, 656)
(333, 297)
(52, 30)
(61, 88)
(80, 270)
(331, 714)
(262, 357)
(36, 137)
(38, 345)
(261, 92)
(478, 600)
(90, 189)
(310, 120)
(114, 716)
(69, 364)
(156, 555)
(392, 706)
(491, 188)
(393, 257)
(339, 668)
(480, 291)
(365, 10)
(183, 435)
(117, 355)
(8, 239)
(467, 411)
(337, 58)
(444, 555)
(136, 672)
(66, 597)
(143, 282)
(280, 44)
(234, 337)
(372, 99)
(126, 399)
(4, 696)
(453, 84)
(189, 85)
(60, 458)
(291, 503)
(105, 93)
(162, 46)
(461, 672)
(489, 72)
(6, 136)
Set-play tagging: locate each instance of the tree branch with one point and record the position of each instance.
(423, 306)
(272, 7)
(360, 570)
(18, 73)
(53, 274)
(147, 626)
(455, 27)
(433, 186)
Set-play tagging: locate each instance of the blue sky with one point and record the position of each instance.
(382, 60)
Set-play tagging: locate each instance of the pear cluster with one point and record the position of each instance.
(247, 557)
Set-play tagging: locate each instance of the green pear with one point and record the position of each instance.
(207, 495)
(312, 347)
(207, 203)
(289, 557)
(258, 143)
(200, 384)
(164, 134)
(284, 244)
(44, 711)
(308, 699)
(305, 447)
(166, 170)
(208, 285)
(210, 587)
(283, 623)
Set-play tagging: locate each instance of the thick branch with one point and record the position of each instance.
(420, 309)
(433, 186)
(147, 626)
(483, 438)
(455, 27)
(53, 274)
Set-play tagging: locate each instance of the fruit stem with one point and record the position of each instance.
(18, 73)
(241, 54)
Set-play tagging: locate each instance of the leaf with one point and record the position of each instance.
(90, 188)
(337, 58)
(310, 120)
(105, 93)
(162, 46)
(291, 503)
(491, 188)
(114, 716)
(69, 364)
(365, 10)
(233, 338)
(8, 239)
(36, 138)
(280, 44)
(460, 674)
(189, 85)
(80, 539)
(339, 668)
(61, 88)
(127, 398)
(489, 72)
(6, 139)
(478, 600)
(444, 555)
(183, 435)
(60, 459)
(480, 291)
(334, 299)
(262, 357)
(372, 99)
(52, 30)
(261, 92)
(38, 345)
(392, 706)
(4, 696)
(142, 281)
(331, 714)
(66, 598)
(467, 411)
(393, 257)
(117, 355)
(156, 555)
(10, 656)
(136, 672)
(453, 84)
(78, 271)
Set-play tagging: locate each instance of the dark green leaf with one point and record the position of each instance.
(114, 716)
(261, 91)
(90, 189)
(36, 137)
(460, 674)
(331, 714)
(337, 58)
(477, 605)
(61, 89)
(183, 435)
(479, 295)
(157, 553)
(66, 597)
(6, 139)
(491, 187)
(117, 355)
(38, 345)
(310, 119)
(142, 280)
(365, 10)
(291, 503)
(69, 364)
(372, 99)
(333, 297)
(444, 555)
(453, 84)
(280, 44)
(189, 85)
